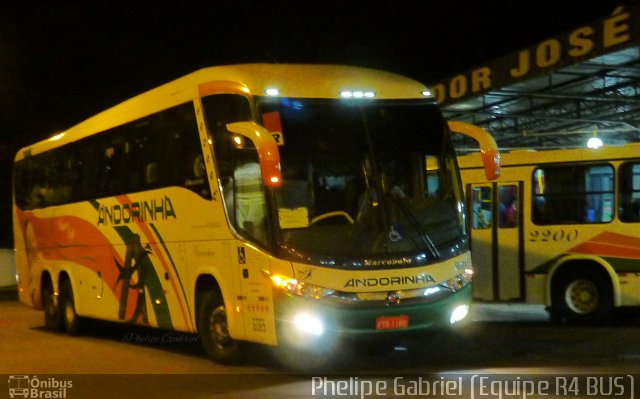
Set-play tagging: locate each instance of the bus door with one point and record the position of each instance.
(496, 240)
(480, 197)
(250, 219)
(257, 296)
(509, 242)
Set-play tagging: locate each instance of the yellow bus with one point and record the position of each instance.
(559, 228)
(273, 204)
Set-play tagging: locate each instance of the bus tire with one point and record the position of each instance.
(52, 313)
(582, 297)
(70, 319)
(214, 332)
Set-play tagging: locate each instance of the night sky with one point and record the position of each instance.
(61, 62)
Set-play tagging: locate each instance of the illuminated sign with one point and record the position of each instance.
(619, 30)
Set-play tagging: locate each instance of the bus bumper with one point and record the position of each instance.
(313, 321)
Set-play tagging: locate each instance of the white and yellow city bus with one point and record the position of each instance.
(560, 228)
(259, 203)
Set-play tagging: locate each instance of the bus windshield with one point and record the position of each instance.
(367, 183)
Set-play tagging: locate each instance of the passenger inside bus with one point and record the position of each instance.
(481, 215)
(511, 213)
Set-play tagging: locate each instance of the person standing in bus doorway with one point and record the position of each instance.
(511, 213)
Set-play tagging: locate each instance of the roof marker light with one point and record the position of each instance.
(357, 94)
(426, 93)
(272, 91)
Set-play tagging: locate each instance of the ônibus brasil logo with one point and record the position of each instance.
(25, 386)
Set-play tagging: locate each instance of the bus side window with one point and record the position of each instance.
(508, 206)
(629, 192)
(195, 175)
(249, 198)
(575, 194)
(481, 201)
(183, 153)
(109, 179)
(237, 166)
(243, 193)
(432, 183)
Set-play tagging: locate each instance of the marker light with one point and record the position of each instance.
(299, 288)
(57, 137)
(459, 313)
(426, 93)
(283, 282)
(357, 94)
(272, 91)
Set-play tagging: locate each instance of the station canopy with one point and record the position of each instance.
(558, 92)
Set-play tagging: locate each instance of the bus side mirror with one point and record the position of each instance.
(488, 147)
(268, 153)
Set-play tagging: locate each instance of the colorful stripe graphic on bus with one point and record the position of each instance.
(621, 251)
(75, 240)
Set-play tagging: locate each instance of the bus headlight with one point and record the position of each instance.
(299, 288)
(459, 281)
(307, 323)
(459, 313)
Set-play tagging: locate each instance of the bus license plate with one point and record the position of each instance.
(392, 322)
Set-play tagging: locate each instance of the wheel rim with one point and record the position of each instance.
(69, 313)
(50, 303)
(218, 327)
(582, 296)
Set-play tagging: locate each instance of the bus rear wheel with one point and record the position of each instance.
(70, 319)
(52, 314)
(214, 331)
(582, 297)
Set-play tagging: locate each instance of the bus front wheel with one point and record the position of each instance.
(582, 297)
(214, 332)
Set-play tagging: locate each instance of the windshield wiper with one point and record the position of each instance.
(411, 216)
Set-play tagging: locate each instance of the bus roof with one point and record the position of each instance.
(532, 157)
(291, 80)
